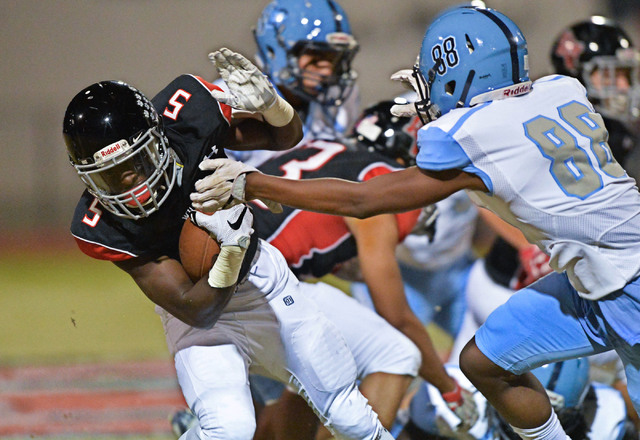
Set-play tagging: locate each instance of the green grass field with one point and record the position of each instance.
(59, 306)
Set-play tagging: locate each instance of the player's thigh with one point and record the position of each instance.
(376, 345)
(214, 381)
(543, 323)
(315, 350)
(620, 311)
(322, 367)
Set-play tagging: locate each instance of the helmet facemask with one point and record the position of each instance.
(131, 181)
(332, 89)
(427, 110)
(612, 101)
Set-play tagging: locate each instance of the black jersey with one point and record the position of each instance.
(195, 125)
(313, 243)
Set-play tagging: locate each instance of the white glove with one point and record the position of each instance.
(407, 80)
(230, 227)
(461, 402)
(249, 88)
(224, 187)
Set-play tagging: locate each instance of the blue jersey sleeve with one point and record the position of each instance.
(438, 151)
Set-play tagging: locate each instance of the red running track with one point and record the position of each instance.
(124, 398)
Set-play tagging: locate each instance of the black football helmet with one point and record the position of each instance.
(116, 143)
(599, 44)
(390, 135)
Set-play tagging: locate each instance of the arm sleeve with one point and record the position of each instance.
(439, 151)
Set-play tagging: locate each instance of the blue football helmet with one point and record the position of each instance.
(470, 55)
(289, 28)
(567, 384)
(568, 380)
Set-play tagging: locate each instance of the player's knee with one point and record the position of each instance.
(240, 426)
(412, 358)
(227, 419)
(349, 415)
(470, 359)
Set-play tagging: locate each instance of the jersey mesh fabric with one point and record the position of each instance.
(597, 246)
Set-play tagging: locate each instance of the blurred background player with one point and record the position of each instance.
(306, 49)
(586, 410)
(435, 258)
(601, 55)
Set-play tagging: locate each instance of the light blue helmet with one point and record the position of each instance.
(288, 28)
(567, 384)
(470, 52)
(568, 379)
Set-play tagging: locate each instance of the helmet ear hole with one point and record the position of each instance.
(271, 53)
(450, 88)
(470, 46)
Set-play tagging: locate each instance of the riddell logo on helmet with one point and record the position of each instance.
(341, 38)
(111, 151)
(517, 89)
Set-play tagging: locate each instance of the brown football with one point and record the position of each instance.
(198, 251)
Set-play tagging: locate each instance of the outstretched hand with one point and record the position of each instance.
(224, 187)
(407, 79)
(249, 88)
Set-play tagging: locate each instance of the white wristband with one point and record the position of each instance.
(226, 269)
(279, 114)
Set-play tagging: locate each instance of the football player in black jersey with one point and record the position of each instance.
(139, 161)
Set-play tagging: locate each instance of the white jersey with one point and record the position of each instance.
(544, 159)
(453, 236)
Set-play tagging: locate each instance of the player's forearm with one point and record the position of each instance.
(203, 305)
(328, 195)
(382, 194)
(287, 136)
